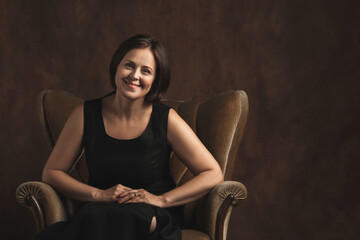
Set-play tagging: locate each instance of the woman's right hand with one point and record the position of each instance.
(111, 194)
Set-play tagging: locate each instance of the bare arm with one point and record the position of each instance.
(190, 150)
(62, 157)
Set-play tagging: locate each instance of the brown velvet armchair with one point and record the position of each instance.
(219, 123)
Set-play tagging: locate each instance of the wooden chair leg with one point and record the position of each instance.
(37, 212)
(220, 219)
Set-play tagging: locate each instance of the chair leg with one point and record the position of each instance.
(219, 231)
(37, 212)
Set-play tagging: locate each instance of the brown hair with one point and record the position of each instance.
(162, 76)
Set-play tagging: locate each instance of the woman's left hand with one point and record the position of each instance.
(141, 196)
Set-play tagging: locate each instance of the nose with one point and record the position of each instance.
(136, 74)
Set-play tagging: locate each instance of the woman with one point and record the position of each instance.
(128, 136)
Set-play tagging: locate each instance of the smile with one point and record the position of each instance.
(131, 85)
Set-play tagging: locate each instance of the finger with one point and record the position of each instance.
(117, 193)
(117, 189)
(124, 199)
(130, 196)
(123, 192)
(118, 197)
(129, 193)
(125, 187)
(135, 200)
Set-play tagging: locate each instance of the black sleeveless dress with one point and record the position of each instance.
(142, 162)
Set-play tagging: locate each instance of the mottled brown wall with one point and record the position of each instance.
(297, 60)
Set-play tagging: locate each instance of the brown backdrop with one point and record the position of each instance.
(297, 60)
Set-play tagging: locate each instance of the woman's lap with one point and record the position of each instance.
(103, 220)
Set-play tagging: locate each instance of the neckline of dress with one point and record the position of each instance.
(124, 140)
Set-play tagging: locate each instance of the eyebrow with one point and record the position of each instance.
(142, 66)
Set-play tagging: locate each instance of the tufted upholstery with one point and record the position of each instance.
(219, 123)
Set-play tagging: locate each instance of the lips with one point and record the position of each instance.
(131, 84)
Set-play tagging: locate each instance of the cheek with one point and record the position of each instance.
(149, 82)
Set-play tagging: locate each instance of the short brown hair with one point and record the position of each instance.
(162, 76)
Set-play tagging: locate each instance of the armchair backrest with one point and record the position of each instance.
(218, 122)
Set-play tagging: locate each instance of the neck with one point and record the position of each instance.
(128, 108)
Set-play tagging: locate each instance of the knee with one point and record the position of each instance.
(153, 225)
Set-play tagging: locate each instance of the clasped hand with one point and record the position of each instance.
(123, 194)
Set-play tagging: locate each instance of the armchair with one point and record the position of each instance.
(219, 123)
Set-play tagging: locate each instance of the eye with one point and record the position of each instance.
(128, 65)
(146, 71)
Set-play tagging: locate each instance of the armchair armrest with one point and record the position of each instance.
(43, 201)
(214, 210)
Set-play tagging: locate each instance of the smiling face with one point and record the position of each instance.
(136, 73)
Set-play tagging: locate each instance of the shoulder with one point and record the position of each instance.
(77, 114)
(162, 106)
(168, 111)
(176, 123)
(86, 108)
(174, 117)
(161, 111)
(179, 134)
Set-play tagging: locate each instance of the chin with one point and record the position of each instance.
(130, 95)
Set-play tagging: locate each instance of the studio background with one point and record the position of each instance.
(297, 61)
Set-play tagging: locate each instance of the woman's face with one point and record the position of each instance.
(136, 73)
